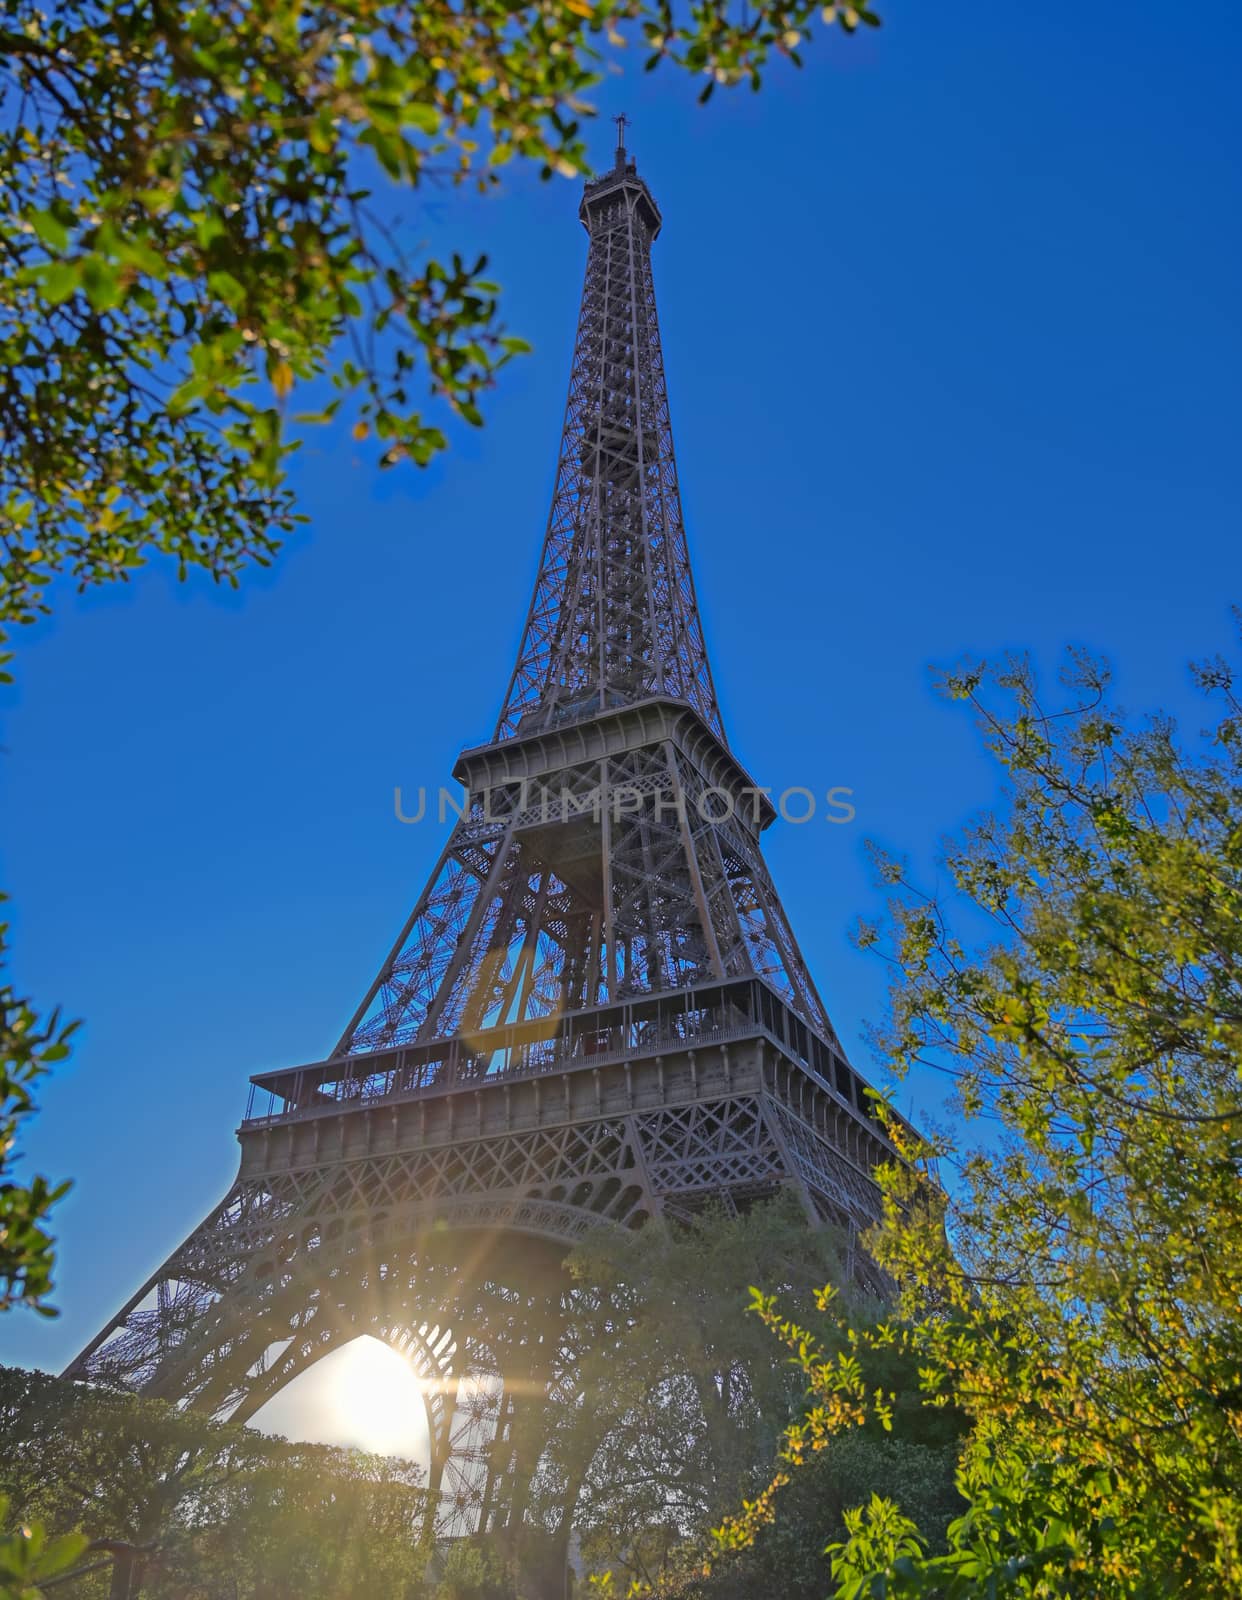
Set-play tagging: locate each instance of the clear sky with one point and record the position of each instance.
(951, 327)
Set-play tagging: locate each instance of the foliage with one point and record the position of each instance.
(884, 1441)
(1079, 1288)
(678, 1408)
(310, 1522)
(788, 1557)
(29, 1044)
(473, 1571)
(190, 232)
(218, 1511)
(28, 1558)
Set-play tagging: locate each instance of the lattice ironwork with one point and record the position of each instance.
(621, 876)
(613, 618)
(596, 1013)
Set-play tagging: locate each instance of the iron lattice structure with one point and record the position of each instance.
(596, 1013)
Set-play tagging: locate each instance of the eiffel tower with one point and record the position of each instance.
(596, 1014)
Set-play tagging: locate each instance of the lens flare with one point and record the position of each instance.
(364, 1395)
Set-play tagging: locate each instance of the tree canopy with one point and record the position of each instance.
(192, 230)
(678, 1406)
(1076, 1287)
(201, 1508)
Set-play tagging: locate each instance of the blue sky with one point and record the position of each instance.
(951, 328)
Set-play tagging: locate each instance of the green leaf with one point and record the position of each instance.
(102, 283)
(183, 399)
(50, 229)
(137, 252)
(57, 280)
(423, 116)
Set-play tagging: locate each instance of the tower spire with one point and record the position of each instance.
(614, 618)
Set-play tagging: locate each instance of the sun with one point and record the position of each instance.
(364, 1395)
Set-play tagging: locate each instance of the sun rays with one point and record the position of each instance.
(363, 1394)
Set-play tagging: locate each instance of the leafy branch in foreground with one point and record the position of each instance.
(29, 1559)
(28, 1047)
(1078, 1294)
(188, 233)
